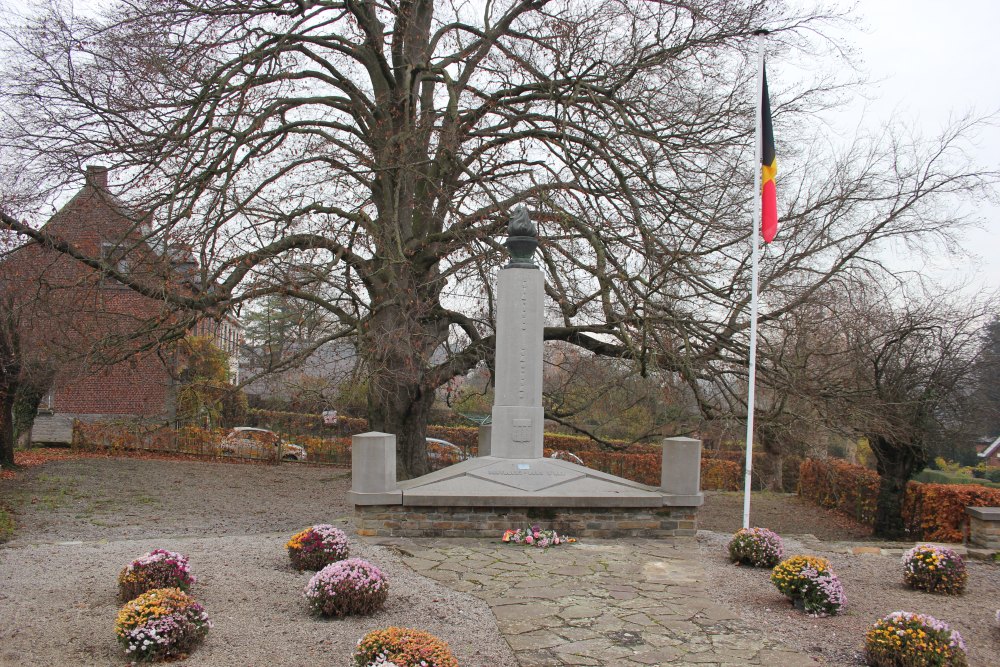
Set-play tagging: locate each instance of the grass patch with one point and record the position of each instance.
(6, 525)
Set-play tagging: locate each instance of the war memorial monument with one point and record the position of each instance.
(510, 483)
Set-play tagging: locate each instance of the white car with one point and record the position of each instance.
(259, 443)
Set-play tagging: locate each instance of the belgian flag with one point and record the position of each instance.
(768, 169)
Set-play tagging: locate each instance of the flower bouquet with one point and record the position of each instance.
(535, 537)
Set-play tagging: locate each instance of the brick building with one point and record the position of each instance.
(97, 338)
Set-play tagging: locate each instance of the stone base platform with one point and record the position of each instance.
(491, 522)
(484, 496)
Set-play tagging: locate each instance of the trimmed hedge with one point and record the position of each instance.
(930, 511)
(936, 512)
(837, 484)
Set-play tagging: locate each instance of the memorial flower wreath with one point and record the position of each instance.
(535, 537)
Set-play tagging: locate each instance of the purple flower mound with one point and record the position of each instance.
(757, 547)
(348, 587)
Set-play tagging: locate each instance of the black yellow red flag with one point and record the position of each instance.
(768, 169)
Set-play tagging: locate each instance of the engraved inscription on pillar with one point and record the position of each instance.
(521, 430)
(523, 361)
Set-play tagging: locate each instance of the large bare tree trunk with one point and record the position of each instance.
(7, 425)
(896, 464)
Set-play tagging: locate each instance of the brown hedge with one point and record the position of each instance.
(930, 511)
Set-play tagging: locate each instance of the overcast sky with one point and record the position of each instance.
(928, 62)
(932, 61)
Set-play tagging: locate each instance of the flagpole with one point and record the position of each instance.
(755, 236)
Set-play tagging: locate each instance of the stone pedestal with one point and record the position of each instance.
(485, 440)
(373, 469)
(984, 528)
(680, 473)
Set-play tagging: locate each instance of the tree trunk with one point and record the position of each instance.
(896, 464)
(398, 351)
(403, 411)
(27, 398)
(7, 426)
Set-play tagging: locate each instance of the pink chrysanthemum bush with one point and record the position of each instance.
(348, 587)
(402, 647)
(934, 569)
(902, 639)
(160, 624)
(157, 569)
(317, 546)
(757, 547)
(809, 582)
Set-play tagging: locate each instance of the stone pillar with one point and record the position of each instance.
(984, 527)
(485, 439)
(680, 473)
(373, 470)
(518, 416)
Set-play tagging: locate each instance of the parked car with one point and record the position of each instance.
(441, 453)
(259, 443)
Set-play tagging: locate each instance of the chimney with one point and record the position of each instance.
(97, 176)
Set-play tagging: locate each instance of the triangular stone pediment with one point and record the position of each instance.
(529, 476)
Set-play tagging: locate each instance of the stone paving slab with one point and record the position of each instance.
(635, 602)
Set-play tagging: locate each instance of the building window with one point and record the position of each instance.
(114, 255)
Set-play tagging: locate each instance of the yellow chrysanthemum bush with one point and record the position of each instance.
(902, 639)
(317, 546)
(934, 569)
(161, 623)
(403, 647)
(157, 569)
(810, 584)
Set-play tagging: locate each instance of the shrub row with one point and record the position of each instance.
(937, 511)
(930, 511)
(837, 484)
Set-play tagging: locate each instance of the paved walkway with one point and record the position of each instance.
(635, 602)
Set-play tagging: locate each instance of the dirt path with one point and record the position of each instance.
(783, 513)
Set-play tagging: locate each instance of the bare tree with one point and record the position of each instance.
(361, 156)
(897, 368)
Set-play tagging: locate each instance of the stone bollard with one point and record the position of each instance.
(485, 439)
(373, 470)
(680, 473)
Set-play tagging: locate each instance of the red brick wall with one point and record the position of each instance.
(66, 309)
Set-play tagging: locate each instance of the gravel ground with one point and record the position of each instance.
(57, 600)
(874, 587)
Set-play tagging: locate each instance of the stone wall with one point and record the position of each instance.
(413, 521)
